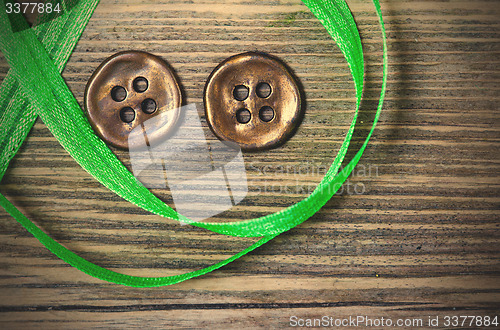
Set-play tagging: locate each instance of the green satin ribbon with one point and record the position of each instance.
(36, 71)
(59, 37)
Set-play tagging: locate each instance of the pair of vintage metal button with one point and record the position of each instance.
(251, 99)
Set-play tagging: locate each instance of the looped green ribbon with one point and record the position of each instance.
(34, 86)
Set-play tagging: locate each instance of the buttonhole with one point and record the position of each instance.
(118, 93)
(266, 114)
(127, 115)
(148, 106)
(241, 92)
(243, 116)
(140, 84)
(263, 90)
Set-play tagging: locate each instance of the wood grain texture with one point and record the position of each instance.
(419, 237)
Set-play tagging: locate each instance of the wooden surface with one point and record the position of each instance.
(418, 238)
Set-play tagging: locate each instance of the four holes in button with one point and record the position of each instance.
(148, 106)
(241, 93)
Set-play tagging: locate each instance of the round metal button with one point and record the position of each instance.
(253, 100)
(128, 89)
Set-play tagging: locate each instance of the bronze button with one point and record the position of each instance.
(126, 90)
(253, 100)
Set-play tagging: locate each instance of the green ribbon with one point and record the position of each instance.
(34, 82)
(17, 114)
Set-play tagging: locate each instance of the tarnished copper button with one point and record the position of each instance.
(128, 89)
(253, 100)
